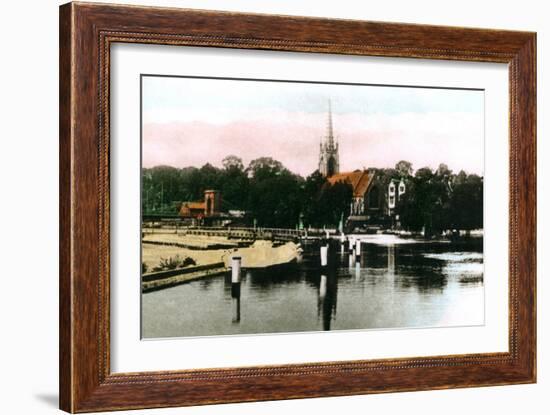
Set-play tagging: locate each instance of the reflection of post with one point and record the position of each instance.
(323, 288)
(324, 256)
(326, 304)
(236, 302)
(351, 260)
(357, 271)
(391, 259)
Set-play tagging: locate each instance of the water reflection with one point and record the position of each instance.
(326, 305)
(236, 309)
(387, 286)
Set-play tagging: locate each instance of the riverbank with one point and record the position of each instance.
(259, 254)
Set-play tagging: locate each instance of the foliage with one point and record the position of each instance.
(171, 263)
(325, 203)
(404, 168)
(466, 210)
(440, 201)
(275, 197)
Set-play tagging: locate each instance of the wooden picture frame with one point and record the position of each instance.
(86, 33)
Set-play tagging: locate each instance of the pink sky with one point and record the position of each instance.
(375, 140)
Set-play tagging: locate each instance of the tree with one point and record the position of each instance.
(232, 162)
(160, 187)
(443, 171)
(275, 194)
(234, 184)
(404, 168)
(335, 201)
(311, 198)
(264, 167)
(466, 204)
(439, 201)
(425, 204)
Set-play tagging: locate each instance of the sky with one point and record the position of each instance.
(194, 121)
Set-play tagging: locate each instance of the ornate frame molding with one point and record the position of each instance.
(86, 33)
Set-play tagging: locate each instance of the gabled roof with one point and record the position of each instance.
(194, 205)
(360, 180)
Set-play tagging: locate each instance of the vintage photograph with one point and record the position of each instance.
(271, 206)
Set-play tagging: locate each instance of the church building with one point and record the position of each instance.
(368, 204)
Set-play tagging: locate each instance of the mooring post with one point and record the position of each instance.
(358, 251)
(351, 244)
(236, 276)
(235, 269)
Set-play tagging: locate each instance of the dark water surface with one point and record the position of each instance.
(396, 284)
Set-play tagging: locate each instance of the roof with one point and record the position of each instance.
(360, 180)
(194, 205)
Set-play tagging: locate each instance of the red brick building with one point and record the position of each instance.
(210, 207)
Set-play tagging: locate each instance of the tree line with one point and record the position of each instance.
(268, 191)
(437, 200)
(275, 197)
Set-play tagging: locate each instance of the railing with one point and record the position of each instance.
(234, 232)
(257, 233)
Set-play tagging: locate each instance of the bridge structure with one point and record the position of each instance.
(250, 233)
(242, 233)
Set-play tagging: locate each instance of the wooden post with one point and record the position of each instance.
(358, 250)
(324, 256)
(236, 270)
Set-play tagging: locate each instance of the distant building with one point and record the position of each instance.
(209, 212)
(396, 190)
(368, 195)
(192, 210)
(329, 160)
(374, 199)
(210, 207)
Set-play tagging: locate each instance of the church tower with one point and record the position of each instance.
(329, 163)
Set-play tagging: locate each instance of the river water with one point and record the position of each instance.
(397, 283)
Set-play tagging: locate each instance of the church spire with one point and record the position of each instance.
(330, 129)
(329, 163)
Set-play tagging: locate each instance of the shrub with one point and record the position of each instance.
(171, 263)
